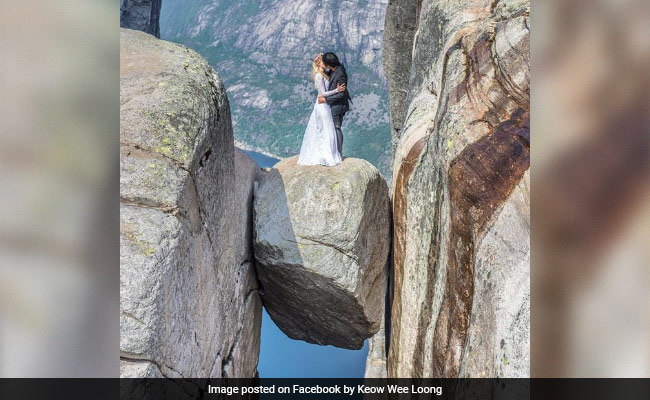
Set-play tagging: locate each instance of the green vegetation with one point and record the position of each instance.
(270, 105)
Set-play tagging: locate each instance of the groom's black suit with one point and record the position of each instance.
(338, 102)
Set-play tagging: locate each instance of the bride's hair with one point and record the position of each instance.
(315, 69)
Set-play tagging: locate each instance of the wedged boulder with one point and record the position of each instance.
(188, 292)
(461, 252)
(322, 236)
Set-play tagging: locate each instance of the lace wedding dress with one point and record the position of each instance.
(319, 143)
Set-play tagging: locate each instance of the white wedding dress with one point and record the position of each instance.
(319, 145)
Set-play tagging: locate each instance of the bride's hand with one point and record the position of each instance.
(340, 87)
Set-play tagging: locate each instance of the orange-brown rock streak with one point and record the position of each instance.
(480, 179)
(399, 241)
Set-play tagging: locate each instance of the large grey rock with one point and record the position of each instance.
(189, 305)
(460, 301)
(142, 15)
(139, 369)
(321, 244)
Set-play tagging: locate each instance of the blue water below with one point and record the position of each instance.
(262, 160)
(282, 357)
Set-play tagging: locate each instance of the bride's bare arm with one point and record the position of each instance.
(340, 94)
(320, 86)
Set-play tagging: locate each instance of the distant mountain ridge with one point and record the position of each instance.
(263, 51)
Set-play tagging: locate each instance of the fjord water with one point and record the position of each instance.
(262, 160)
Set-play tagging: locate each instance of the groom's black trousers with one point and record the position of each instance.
(338, 121)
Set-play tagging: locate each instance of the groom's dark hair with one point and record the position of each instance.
(331, 59)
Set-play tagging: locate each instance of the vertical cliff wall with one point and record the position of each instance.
(458, 74)
(189, 303)
(142, 15)
(399, 31)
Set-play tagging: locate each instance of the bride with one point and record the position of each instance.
(319, 143)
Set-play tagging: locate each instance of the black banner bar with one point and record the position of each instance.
(321, 389)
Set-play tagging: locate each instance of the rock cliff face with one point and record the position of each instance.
(376, 359)
(292, 30)
(322, 236)
(142, 15)
(399, 32)
(189, 304)
(460, 299)
(263, 51)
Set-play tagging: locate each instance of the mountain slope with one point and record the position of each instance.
(263, 51)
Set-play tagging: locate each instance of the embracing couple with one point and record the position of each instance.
(323, 140)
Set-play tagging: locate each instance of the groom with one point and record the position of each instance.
(339, 101)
